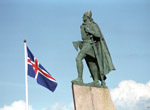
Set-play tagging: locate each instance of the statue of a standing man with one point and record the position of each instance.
(94, 50)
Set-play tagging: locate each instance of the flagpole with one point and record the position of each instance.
(26, 74)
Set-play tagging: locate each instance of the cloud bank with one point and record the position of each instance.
(131, 96)
(17, 105)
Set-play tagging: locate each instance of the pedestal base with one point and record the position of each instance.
(91, 98)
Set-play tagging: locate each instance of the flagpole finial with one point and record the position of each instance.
(25, 41)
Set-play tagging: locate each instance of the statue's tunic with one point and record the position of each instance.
(86, 46)
(89, 30)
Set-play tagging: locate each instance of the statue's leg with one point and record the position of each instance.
(91, 62)
(103, 83)
(79, 64)
(94, 69)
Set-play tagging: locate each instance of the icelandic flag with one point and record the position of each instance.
(37, 71)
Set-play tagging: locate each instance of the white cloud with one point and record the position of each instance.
(17, 105)
(60, 106)
(131, 96)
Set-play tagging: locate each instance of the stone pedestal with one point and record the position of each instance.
(91, 98)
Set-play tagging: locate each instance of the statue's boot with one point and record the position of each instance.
(103, 84)
(79, 80)
(80, 71)
(94, 83)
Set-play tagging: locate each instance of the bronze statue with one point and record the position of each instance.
(94, 50)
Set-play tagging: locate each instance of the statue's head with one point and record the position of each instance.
(87, 15)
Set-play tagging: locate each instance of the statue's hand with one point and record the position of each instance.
(92, 40)
(87, 29)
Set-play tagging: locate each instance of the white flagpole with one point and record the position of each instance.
(26, 74)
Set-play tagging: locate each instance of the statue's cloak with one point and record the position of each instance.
(105, 57)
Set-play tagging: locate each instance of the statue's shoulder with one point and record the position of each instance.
(83, 24)
(94, 24)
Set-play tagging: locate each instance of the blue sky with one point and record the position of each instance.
(50, 26)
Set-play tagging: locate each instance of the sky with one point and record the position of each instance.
(50, 26)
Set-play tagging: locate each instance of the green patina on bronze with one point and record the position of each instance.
(94, 50)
